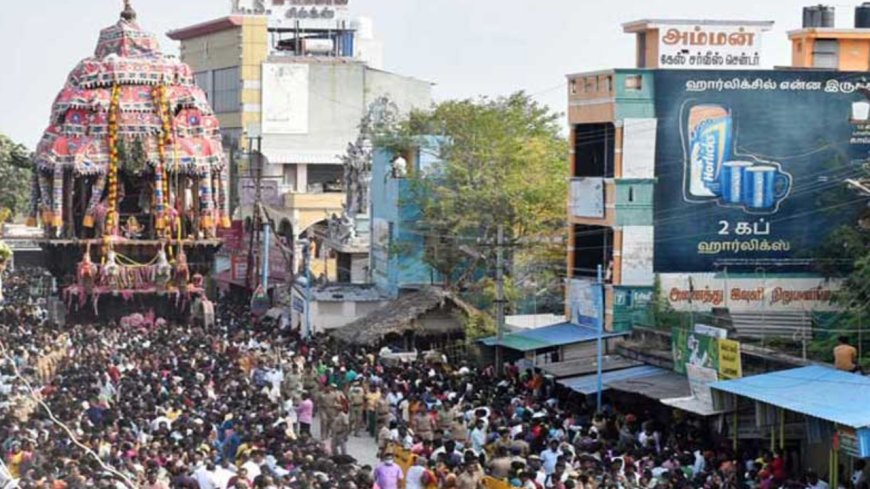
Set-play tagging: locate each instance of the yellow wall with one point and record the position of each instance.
(254, 52)
(247, 47)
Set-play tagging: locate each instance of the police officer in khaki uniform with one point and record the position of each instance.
(356, 398)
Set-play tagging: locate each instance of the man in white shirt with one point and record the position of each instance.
(253, 465)
(550, 456)
(222, 475)
(205, 476)
(478, 437)
(414, 477)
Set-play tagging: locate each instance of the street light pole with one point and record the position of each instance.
(306, 263)
(599, 341)
(499, 353)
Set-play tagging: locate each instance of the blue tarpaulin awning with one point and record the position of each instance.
(821, 392)
(588, 384)
(549, 336)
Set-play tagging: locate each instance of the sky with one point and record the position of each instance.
(466, 47)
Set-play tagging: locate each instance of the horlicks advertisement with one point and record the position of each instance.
(752, 166)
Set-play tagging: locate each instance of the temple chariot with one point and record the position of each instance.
(130, 181)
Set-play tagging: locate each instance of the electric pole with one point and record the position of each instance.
(500, 300)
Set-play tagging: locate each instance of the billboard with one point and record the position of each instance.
(735, 46)
(705, 291)
(751, 164)
(586, 299)
(692, 348)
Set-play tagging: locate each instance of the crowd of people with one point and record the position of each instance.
(246, 405)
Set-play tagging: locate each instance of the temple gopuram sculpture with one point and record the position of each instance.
(131, 164)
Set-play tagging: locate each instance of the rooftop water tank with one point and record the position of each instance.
(819, 16)
(862, 16)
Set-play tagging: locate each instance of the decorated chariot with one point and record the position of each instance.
(131, 181)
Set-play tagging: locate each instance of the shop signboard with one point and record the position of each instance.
(750, 167)
(855, 443)
(586, 299)
(691, 348)
(703, 292)
(730, 364)
(711, 331)
(700, 379)
(688, 46)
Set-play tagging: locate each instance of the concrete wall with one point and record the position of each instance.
(339, 94)
(397, 246)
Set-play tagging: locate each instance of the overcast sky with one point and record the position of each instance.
(467, 47)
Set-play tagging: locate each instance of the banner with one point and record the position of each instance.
(751, 166)
(713, 331)
(690, 348)
(700, 379)
(586, 299)
(703, 292)
(730, 364)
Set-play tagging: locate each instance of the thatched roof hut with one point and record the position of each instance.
(428, 312)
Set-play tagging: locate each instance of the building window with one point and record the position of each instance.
(203, 80)
(641, 49)
(826, 53)
(573, 87)
(631, 194)
(226, 90)
(594, 150)
(634, 82)
(592, 84)
(609, 82)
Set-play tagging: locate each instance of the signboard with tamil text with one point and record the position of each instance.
(710, 46)
(730, 365)
(703, 292)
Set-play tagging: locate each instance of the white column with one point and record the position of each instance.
(301, 178)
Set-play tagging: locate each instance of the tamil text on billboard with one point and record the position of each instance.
(751, 167)
(710, 46)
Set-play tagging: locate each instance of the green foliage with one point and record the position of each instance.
(15, 173)
(850, 245)
(504, 162)
(665, 317)
(478, 325)
(5, 252)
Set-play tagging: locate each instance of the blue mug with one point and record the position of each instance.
(731, 181)
(764, 186)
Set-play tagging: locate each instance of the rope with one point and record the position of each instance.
(38, 399)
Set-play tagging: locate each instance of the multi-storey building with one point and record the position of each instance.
(693, 179)
(300, 75)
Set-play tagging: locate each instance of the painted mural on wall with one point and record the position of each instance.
(746, 160)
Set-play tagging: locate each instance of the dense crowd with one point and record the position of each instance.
(244, 405)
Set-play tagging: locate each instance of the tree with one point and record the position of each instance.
(849, 245)
(503, 161)
(15, 175)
